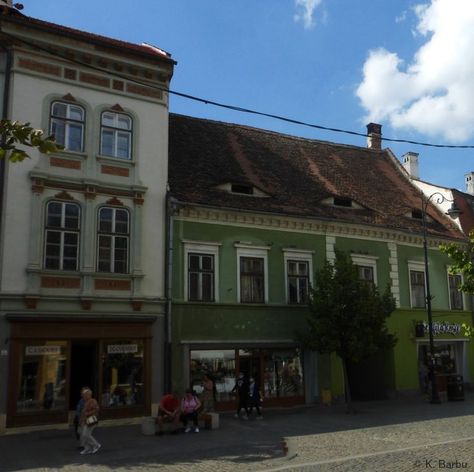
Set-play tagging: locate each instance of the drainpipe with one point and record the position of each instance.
(168, 290)
(6, 102)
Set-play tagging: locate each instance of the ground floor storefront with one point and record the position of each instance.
(278, 370)
(52, 358)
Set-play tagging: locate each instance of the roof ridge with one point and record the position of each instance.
(285, 135)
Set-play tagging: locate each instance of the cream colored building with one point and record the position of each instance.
(82, 233)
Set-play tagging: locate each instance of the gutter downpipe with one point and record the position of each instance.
(5, 105)
(168, 290)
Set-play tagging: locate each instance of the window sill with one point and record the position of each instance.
(116, 161)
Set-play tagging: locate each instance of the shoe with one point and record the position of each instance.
(196, 429)
(187, 429)
(96, 448)
(86, 451)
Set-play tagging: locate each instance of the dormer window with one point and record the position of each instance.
(417, 214)
(241, 188)
(342, 201)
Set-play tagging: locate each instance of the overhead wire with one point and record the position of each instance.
(229, 106)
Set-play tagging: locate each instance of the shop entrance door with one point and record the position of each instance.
(84, 367)
(251, 366)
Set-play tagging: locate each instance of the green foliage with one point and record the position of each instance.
(462, 262)
(14, 133)
(348, 316)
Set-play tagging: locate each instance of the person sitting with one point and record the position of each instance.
(189, 410)
(168, 411)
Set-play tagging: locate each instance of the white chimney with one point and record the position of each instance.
(469, 179)
(374, 136)
(410, 164)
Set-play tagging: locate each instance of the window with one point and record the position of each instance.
(455, 296)
(366, 267)
(417, 288)
(252, 278)
(298, 281)
(201, 273)
(201, 277)
(113, 240)
(67, 125)
(116, 135)
(62, 236)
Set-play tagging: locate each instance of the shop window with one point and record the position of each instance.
(43, 370)
(62, 236)
(122, 373)
(417, 288)
(67, 125)
(200, 277)
(283, 373)
(455, 295)
(298, 281)
(116, 135)
(219, 365)
(113, 240)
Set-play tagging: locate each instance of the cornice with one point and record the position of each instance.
(306, 225)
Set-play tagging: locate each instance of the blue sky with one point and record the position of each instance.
(406, 64)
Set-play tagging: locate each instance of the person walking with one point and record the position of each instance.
(254, 399)
(242, 388)
(189, 410)
(77, 414)
(88, 422)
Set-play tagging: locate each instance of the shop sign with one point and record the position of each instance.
(122, 348)
(42, 350)
(443, 327)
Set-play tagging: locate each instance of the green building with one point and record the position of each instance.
(253, 214)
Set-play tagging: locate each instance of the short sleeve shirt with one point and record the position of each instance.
(169, 402)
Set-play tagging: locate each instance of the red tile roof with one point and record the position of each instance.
(144, 50)
(298, 174)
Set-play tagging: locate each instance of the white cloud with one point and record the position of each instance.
(434, 93)
(305, 11)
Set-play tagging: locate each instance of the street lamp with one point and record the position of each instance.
(452, 212)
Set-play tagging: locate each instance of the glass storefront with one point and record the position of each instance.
(42, 376)
(122, 373)
(279, 372)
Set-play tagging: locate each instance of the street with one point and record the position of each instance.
(394, 435)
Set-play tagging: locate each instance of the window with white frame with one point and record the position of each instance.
(67, 125)
(252, 275)
(456, 301)
(298, 271)
(116, 135)
(113, 240)
(62, 228)
(366, 267)
(201, 271)
(417, 284)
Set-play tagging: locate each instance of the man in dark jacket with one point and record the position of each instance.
(242, 388)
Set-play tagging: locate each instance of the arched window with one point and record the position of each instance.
(67, 125)
(62, 235)
(116, 135)
(113, 240)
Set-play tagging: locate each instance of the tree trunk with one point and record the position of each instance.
(347, 388)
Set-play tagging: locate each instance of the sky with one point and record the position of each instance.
(408, 65)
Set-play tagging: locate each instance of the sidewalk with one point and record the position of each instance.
(313, 434)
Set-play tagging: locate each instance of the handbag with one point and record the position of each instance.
(91, 420)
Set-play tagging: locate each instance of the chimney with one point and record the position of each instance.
(374, 136)
(469, 179)
(410, 164)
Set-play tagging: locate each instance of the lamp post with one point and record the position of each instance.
(453, 212)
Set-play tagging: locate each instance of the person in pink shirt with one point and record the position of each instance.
(190, 405)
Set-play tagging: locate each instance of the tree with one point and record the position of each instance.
(14, 133)
(347, 316)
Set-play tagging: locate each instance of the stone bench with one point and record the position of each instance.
(205, 421)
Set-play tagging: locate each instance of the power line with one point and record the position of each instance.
(234, 107)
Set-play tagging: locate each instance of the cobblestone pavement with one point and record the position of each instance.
(397, 435)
